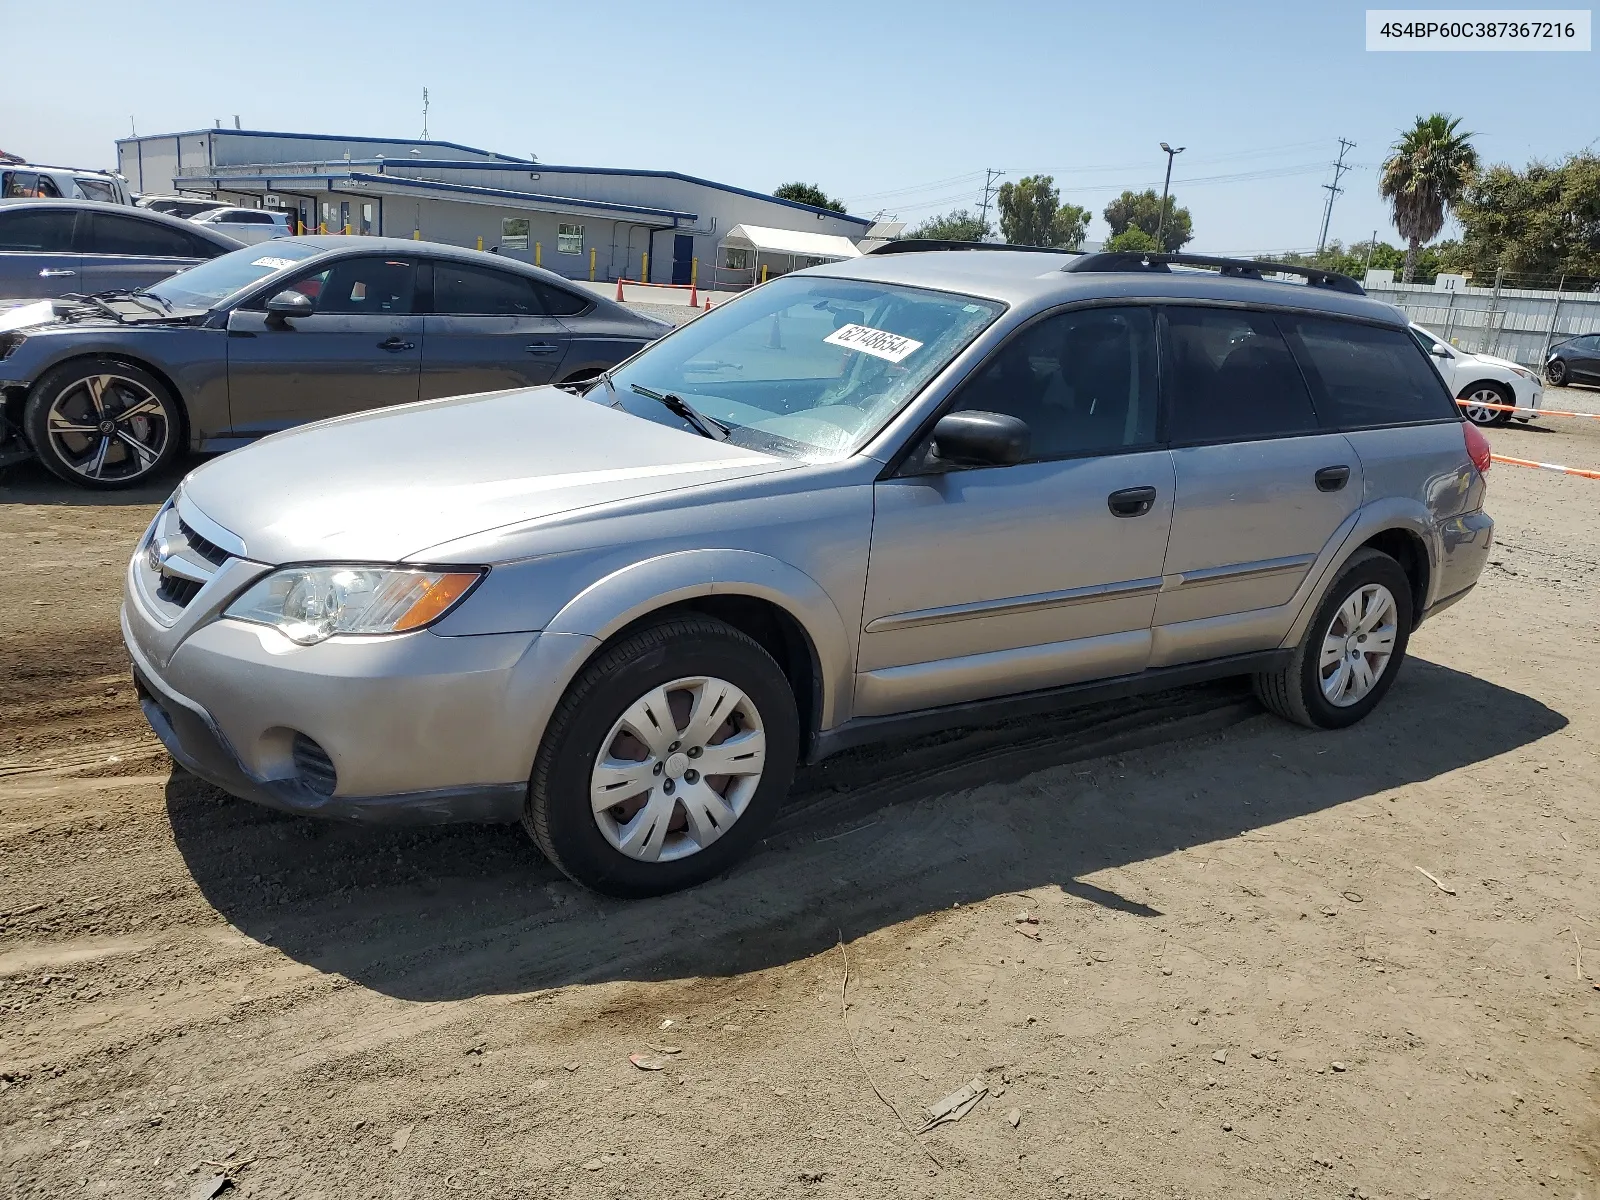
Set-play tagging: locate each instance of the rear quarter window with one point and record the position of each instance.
(1365, 375)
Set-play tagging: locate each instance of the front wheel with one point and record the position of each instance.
(102, 424)
(1351, 651)
(664, 760)
(1555, 373)
(1482, 394)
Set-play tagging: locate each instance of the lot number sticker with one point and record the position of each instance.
(879, 343)
(277, 264)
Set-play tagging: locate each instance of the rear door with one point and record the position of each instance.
(487, 329)
(122, 250)
(361, 348)
(37, 259)
(1261, 488)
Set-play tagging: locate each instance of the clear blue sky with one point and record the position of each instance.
(889, 106)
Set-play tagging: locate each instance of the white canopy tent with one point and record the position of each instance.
(757, 246)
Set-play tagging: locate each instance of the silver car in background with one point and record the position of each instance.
(928, 487)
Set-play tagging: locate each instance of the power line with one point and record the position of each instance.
(989, 176)
(1333, 191)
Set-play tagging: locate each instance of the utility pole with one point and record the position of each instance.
(989, 176)
(1333, 190)
(1166, 187)
(424, 114)
(1371, 246)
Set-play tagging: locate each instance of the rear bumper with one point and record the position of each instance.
(1464, 545)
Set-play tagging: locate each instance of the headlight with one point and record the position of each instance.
(1526, 374)
(310, 604)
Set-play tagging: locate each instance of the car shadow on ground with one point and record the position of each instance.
(29, 483)
(867, 842)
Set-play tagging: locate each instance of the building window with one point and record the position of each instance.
(514, 233)
(735, 259)
(569, 239)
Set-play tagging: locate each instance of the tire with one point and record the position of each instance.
(1555, 373)
(1487, 391)
(102, 424)
(623, 688)
(1296, 691)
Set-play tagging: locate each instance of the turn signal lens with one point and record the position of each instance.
(311, 604)
(1477, 446)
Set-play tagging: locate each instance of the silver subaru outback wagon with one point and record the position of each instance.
(934, 486)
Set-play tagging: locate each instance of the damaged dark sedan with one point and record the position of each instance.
(106, 389)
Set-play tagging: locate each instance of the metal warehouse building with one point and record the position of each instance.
(581, 222)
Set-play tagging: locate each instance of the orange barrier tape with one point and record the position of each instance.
(1538, 412)
(1528, 462)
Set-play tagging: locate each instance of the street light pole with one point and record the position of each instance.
(1161, 221)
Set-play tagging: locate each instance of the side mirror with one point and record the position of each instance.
(1439, 351)
(289, 303)
(980, 439)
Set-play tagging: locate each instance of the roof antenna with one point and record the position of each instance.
(424, 114)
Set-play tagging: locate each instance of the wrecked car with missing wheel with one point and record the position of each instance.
(932, 486)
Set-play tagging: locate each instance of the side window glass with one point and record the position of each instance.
(112, 233)
(93, 189)
(1367, 376)
(460, 290)
(1084, 382)
(18, 185)
(1232, 378)
(48, 189)
(36, 230)
(376, 286)
(559, 302)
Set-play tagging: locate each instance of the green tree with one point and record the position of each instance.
(1142, 210)
(1031, 214)
(957, 226)
(1427, 172)
(808, 193)
(1544, 220)
(1132, 240)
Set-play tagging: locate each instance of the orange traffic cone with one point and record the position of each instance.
(708, 303)
(694, 296)
(619, 289)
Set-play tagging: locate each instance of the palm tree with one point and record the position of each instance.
(1424, 178)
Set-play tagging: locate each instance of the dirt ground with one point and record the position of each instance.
(1241, 981)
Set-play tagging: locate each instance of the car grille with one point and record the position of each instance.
(315, 768)
(210, 551)
(178, 591)
(176, 563)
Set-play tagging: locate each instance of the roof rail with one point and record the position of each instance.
(921, 245)
(1240, 268)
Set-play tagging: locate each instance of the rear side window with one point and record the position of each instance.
(37, 230)
(245, 216)
(113, 233)
(1233, 378)
(559, 302)
(1364, 375)
(1083, 381)
(93, 189)
(460, 290)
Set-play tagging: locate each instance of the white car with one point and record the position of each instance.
(1483, 380)
(248, 225)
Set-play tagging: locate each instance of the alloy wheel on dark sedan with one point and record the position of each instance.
(108, 428)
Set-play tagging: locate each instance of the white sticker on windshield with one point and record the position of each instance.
(277, 264)
(879, 343)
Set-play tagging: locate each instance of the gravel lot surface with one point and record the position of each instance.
(1236, 974)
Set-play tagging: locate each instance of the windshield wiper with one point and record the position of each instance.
(106, 308)
(140, 296)
(708, 426)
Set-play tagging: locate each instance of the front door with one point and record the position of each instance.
(361, 348)
(997, 580)
(37, 259)
(488, 329)
(682, 258)
(1260, 488)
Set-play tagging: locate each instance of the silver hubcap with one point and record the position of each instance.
(678, 768)
(1483, 416)
(108, 427)
(1358, 645)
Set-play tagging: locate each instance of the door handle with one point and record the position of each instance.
(394, 345)
(56, 273)
(541, 347)
(1331, 479)
(1131, 502)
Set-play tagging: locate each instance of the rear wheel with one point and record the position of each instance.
(1479, 395)
(1351, 651)
(664, 760)
(99, 423)
(1555, 373)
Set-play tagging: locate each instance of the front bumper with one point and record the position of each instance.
(418, 729)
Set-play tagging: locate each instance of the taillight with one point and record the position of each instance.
(1477, 446)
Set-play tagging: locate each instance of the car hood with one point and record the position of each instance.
(387, 485)
(43, 316)
(1491, 361)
